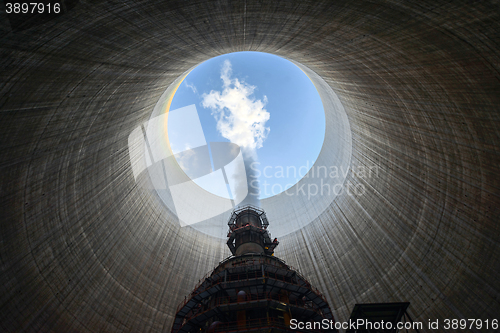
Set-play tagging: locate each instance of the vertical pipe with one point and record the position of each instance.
(286, 313)
(241, 315)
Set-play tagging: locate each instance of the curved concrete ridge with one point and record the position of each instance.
(83, 248)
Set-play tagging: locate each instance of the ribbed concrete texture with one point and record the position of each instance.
(84, 249)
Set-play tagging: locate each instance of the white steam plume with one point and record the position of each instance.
(241, 119)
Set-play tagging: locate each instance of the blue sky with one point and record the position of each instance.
(287, 124)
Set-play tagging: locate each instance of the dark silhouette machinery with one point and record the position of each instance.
(251, 290)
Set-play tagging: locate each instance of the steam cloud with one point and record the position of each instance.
(241, 119)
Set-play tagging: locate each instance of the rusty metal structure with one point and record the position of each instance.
(252, 290)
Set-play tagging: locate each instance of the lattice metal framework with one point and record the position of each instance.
(251, 291)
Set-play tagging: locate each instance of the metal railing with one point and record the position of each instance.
(260, 260)
(230, 301)
(253, 324)
(247, 276)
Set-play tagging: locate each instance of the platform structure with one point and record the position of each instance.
(379, 315)
(251, 291)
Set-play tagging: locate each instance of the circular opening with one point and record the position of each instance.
(171, 176)
(263, 103)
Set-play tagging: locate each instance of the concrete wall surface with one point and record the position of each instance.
(84, 249)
